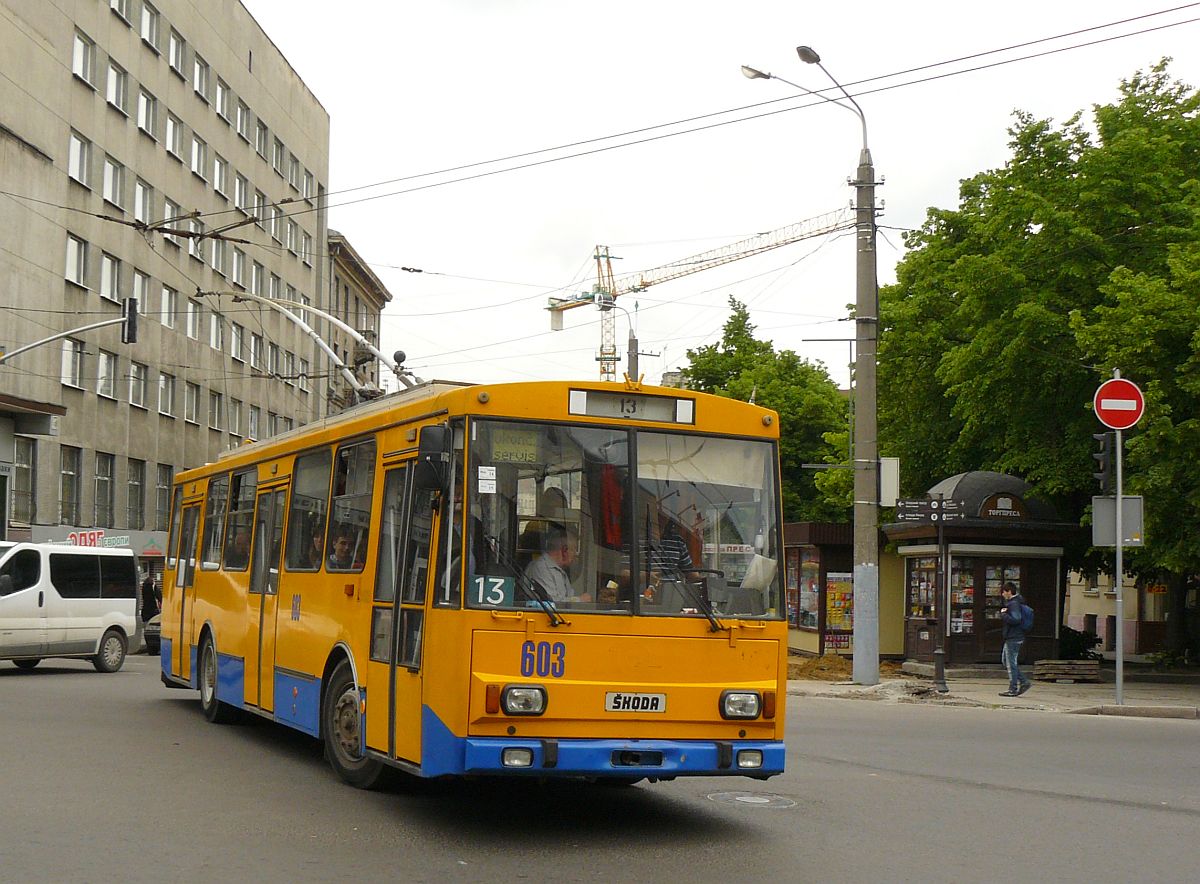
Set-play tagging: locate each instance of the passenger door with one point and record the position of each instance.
(264, 597)
(185, 570)
(408, 645)
(22, 605)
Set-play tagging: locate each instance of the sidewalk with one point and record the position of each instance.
(981, 689)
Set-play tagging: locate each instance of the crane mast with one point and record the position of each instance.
(608, 287)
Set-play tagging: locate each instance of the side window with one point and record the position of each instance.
(23, 569)
(214, 522)
(75, 576)
(118, 577)
(241, 520)
(391, 532)
(173, 535)
(306, 520)
(449, 548)
(350, 508)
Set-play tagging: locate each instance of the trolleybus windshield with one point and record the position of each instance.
(621, 521)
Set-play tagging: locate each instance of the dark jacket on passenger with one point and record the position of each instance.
(1010, 617)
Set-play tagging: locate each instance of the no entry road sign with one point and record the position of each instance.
(1119, 403)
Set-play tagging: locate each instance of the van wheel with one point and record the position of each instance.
(112, 652)
(341, 725)
(27, 664)
(214, 710)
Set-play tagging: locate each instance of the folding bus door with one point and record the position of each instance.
(264, 598)
(184, 590)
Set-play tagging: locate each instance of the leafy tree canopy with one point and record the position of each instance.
(809, 405)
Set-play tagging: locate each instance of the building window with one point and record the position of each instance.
(147, 112)
(171, 218)
(135, 503)
(260, 138)
(241, 193)
(77, 250)
(302, 380)
(235, 417)
(257, 271)
(137, 384)
(106, 374)
(237, 342)
(243, 120)
(110, 277)
(256, 348)
(222, 100)
(277, 155)
(169, 306)
(194, 314)
(72, 363)
(141, 291)
(277, 223)
(273, 358)
(216, 331)
(307, 188)
(24, 489)
(239, 267)
(252, 423)
(304, 299)
(83, 58)
(143, 201)
(218, 256)
(166, 394)
(121, 8)
(260, 209)
(200, 76)
(150, 26)
(174, 136)
(79, 159)
(104, 490)
(220, 175)
(199, 157)
(214, 410)
(272, 423)
(294, 172)
(71, 459)
(289, 367)
(306, 248)
(191, 403)
(175, 52)
(117, 88)
(196, 240)
(289, 236)
(162, 496)
(275, 285)
(114, 182)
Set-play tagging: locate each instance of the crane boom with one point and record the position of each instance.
(608, 287)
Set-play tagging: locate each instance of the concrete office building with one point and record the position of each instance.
(130, 128)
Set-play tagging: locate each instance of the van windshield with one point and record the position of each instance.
(620, 521)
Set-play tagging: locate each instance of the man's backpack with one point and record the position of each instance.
(1026, 618)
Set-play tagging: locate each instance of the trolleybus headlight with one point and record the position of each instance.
(740, 704)
(523, 699)
(517, 756)
(749, 758)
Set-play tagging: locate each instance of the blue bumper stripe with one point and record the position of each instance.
(443, 753)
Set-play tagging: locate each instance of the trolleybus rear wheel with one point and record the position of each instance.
(341, 725)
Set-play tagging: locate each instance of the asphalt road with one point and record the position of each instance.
(113, 777)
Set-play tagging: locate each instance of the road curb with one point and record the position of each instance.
(1185, 712)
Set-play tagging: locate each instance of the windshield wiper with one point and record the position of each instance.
(698, 597)
(539, 595)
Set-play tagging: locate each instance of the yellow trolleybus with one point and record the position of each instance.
(543, 579)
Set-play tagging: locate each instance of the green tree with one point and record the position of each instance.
(1078, 256)
(807, 400)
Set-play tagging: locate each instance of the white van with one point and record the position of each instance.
(67, 601)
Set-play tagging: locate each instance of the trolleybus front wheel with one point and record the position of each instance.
(341, 725)
(214, 710)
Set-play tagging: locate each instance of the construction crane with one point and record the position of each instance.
(608, 288)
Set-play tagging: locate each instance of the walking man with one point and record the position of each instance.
(1015, 629)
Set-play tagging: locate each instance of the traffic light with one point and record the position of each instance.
(1103, 459)
(129, 312)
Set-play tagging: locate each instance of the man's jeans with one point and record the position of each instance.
(1012, 650)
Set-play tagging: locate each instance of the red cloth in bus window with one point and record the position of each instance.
(611, 497)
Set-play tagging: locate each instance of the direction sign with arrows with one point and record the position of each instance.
(921, 509)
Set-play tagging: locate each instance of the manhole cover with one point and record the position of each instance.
(752, 799)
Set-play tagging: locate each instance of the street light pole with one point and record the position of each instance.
(866, 337)
(866, 448)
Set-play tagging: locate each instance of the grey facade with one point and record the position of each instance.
(124, 120)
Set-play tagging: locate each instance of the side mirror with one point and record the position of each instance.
(433, 453)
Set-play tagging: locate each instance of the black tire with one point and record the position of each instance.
(111, 655)
(153, 648)
(27, 664)
(341, 726)
(214, 710)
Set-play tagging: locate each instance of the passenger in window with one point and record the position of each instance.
(550, 570)
(238, 555)
(345, 555)
(316, 551)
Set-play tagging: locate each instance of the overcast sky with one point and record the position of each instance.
(415, 88)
